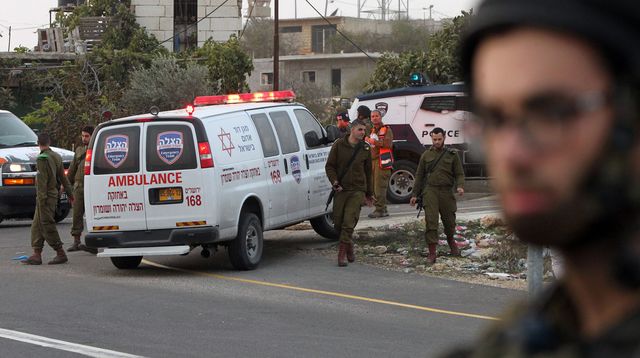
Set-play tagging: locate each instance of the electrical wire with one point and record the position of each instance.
(340, 32)
(197, 22)
(248, 18)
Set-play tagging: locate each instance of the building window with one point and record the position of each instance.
(308, 76)
(336, 82)
(185, 15)
(266, 78)
(290, 29)
(320, 36)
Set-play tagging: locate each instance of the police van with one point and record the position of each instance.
(412, 113)
(219, 172)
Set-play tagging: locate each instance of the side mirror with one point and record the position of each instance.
(312, 140)
(333, 133)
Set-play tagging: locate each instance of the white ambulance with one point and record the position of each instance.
(412, 113)
(216, 173)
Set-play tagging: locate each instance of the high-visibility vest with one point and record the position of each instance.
(385, 159)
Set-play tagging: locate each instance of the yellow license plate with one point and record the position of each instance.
(170, 194)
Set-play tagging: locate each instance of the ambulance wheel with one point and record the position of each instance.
(245, 251)
(401, 181)
(126, 262)
(323, 226)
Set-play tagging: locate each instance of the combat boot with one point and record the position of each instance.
(375, 214)
(342, 254)
(351, 256)
(88, 249)
(76, 244)
(35, 259)
(431, 257)
(452, 245)
(60, 258)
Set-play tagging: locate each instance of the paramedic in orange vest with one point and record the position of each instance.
(381, 140)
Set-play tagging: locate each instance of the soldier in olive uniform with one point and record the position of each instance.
(438, 171)
(76, 178)
(49, 177)
(364, 114)
(560, 123)
(381, 141)
(355, 186)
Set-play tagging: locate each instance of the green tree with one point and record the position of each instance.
(228, 65)
(441, 64)
(393, 70)
(257, 39)
(166, 85)
(444, 50)
(405, 36)
(7, 101)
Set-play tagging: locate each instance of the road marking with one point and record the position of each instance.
(322, 292)
(63, 345)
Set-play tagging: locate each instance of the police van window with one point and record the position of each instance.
(462, 103)
(118, 151)
(265, 132)
(308, 123)
(285, 131)
(170, 147)
(439, 104)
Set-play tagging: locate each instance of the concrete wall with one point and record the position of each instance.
(157, 17)
(353, 67)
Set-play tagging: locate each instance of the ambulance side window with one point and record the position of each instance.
(170, 147)
(286, 133)
(118, 151)
(439, 103)
(265, 132)
(308, 123)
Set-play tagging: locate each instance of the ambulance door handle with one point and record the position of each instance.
(306, 157)
(286, 167)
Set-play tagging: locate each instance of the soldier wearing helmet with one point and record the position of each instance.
(555, 85)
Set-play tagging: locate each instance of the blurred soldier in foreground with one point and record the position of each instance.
(555, 84)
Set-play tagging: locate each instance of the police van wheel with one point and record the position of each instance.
(401, 181)
(245, 251)
(323, 226)
(126, 262)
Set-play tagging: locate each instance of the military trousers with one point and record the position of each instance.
(380, 183)
(346, 212)
(78, 210)
(439, 201)
(43, 227)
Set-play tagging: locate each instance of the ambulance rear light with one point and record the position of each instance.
(272, 96)
(206, 159)
(87, 162)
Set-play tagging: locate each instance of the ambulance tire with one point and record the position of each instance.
(126, 262)
(245, 251)
(401, 181)
(323, 226)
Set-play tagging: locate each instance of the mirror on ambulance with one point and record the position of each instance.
(311, 139)
(333, 133)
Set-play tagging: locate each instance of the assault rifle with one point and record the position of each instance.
(419, 205)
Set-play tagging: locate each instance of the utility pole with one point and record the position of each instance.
(9, 45)
(276, 49)
(535, 269)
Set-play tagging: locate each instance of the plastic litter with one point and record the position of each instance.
(20, 258)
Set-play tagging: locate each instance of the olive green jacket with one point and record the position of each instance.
(447, 173)
(76, 169)
(358, 177)
(50, 176)
(548, 327)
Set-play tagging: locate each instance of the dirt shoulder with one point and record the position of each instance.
(490, 253)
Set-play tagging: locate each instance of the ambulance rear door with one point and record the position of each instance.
(114, 200)
(174, 194)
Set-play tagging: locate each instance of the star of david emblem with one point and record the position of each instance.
(224, 135)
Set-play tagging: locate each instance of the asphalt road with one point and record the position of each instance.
(294, 305)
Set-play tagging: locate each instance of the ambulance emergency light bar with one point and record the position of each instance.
(271, 96)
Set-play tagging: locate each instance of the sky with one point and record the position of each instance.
(25, 16)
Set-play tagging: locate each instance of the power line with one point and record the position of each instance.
(248, 18)
(197, 22)
(340, 32)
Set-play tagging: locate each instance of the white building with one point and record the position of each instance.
(182, 24)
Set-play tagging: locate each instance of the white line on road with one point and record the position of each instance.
(62, 345)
